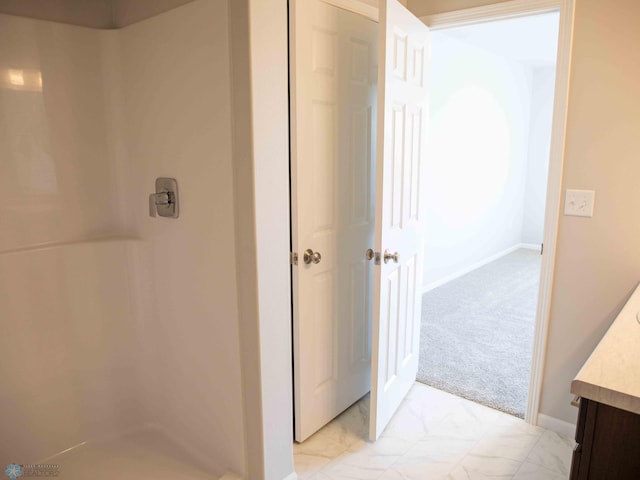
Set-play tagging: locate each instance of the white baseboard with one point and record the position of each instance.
(291, 476)
(554, 424)
(531, 246)
(470, 268)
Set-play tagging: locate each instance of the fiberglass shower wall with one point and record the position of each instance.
(68, 341)
(112, 320)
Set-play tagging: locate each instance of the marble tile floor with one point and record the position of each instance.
(434, 435)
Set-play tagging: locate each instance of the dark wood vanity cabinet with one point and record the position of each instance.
(608, 443)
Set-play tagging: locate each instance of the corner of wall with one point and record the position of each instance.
(268, 56)
(246, 255)
(114, 120)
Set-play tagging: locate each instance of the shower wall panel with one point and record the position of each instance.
(69, 348)
(176, 122)
(68, 337)
(58, 183)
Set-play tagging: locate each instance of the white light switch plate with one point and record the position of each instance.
(579, 203)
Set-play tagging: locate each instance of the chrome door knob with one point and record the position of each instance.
(391, 256)
(311, 257)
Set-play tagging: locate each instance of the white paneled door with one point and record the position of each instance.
(355, 324)
(333, 120)
(402, 106)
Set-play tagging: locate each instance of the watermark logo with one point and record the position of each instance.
(13, 471)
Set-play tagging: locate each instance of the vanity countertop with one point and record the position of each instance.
(611, 375)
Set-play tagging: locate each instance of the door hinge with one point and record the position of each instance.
(541, 248)
(293, 258)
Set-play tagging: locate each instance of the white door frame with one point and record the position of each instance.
(502, 11)
(260, 178)
(512, 9)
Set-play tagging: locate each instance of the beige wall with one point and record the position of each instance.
(598, 259)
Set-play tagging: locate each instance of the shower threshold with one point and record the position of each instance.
(146, 453)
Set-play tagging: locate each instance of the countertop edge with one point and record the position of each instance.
(606, 396)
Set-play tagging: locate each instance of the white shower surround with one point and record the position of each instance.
(141, 328)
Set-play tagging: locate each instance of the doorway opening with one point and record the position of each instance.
(330, 128)
(491, 112)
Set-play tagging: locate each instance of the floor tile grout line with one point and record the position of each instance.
(533, 447)
(546, 467)
(520, 467)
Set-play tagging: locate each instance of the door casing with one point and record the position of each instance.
(273, 449)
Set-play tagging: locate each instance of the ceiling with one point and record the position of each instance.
(104, 14)
(532, 39)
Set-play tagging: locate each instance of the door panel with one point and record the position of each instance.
(333, 116)
(402, 101)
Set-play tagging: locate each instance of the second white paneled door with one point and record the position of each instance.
(333, 117)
